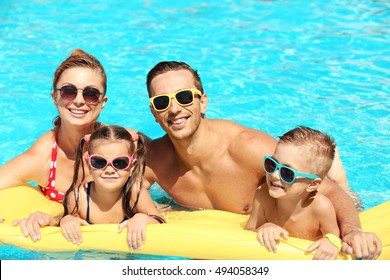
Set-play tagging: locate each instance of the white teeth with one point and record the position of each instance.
(77, 111)
(179, 121)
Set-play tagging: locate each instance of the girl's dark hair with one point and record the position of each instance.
(78, 58)
(111, 132)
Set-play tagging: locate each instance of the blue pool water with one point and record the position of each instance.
(270, 65)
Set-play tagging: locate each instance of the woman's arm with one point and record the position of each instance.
(32, 165)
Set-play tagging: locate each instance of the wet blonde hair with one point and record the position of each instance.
(317, 148)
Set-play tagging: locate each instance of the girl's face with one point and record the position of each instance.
(78, 112)
(106, 176)
(291, 156)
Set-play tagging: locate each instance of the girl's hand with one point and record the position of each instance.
(325, 250)
(269, 235)
(32, 224)
(70, 228)
(136, 230)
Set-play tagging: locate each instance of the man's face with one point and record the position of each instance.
(178, 121)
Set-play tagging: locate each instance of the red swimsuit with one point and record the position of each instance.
(50, 190)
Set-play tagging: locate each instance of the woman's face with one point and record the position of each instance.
(78, 112)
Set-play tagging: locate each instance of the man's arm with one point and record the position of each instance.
(347, 215)
(364, 245)
(337, 173)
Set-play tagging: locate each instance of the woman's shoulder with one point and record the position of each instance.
(47, 138)
(44, 141)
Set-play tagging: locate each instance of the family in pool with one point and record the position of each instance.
(101, 173)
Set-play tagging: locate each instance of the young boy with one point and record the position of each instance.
(289, 204)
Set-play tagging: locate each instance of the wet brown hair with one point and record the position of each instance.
(166, 66)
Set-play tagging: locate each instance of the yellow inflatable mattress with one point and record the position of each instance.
(205, 234)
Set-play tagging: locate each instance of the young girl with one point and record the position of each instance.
(114, 193)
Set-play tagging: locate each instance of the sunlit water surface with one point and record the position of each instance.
(269, 65)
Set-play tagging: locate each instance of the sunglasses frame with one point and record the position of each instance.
(173, 95)
(279, 167)
(83, 93)
(109, 162)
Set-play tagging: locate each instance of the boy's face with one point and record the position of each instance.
(294, 157)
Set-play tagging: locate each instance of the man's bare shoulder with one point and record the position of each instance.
(237, 131)
(160, 149)
(243, 141)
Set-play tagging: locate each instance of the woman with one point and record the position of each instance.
(79, 93)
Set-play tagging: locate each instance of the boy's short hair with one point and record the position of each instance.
(318, 148)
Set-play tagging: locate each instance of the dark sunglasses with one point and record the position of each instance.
(91, 95)
(118, 163)
(287, 174)
(184, 97)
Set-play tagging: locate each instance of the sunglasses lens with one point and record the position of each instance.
(161, 102)
(269, 165)
(287, 174)
(121, 163)
(184, 97)
(68, 93)
(98, 162)
(91, 95)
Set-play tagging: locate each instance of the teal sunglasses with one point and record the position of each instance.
(287, 174)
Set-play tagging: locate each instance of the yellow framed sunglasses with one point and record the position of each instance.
(184, 97)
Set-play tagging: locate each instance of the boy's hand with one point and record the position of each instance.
(325, 250)
(269, 235)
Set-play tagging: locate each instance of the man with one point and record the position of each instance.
(217, 164)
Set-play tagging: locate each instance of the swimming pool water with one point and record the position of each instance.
(270, 65)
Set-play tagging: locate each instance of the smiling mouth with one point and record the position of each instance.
(78, 112)
(273, 185)
(177, 122)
